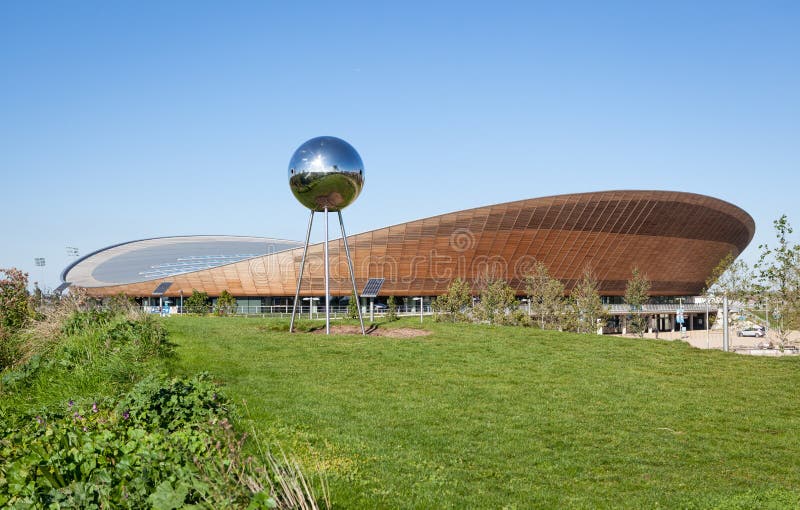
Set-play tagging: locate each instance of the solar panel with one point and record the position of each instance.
(161, 289)
(61, 288)
(372, 287)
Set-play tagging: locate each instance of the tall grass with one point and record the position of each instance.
(90, 390)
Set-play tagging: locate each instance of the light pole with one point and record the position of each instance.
(39, 261)
(708, 334)
(310, 305)
(421, 301)
(725, 323)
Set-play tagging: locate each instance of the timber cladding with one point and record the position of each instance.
(674, 238)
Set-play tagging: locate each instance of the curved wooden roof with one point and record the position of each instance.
(674, 238)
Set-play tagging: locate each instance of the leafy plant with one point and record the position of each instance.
(391, 310)
(146, 334)
(546, 295)
(16, 311)
(226, 304)
(497, 299)
(637, 293)
(15, 303)
(779, 271)
(197, 303)
(165, 445)
(453, 304)
(352, 307)
(585, 306)
(82, 321)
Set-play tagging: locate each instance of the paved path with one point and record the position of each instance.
(713, 340)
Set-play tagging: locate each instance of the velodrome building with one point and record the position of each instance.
(674, 238)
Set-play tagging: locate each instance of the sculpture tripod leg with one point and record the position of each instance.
(327, 284)
(352, 274)
(300, 276)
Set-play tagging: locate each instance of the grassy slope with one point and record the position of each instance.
(479, 416)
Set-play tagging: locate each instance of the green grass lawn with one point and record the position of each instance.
(492, 417)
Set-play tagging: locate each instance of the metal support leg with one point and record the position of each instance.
(327, 287)
(725, 339)
(302, 265)
(352, 273)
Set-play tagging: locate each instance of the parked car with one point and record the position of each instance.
(754, 331)
(380, 307)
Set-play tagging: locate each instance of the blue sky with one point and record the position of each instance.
(127, 120)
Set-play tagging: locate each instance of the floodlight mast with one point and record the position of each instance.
(326, 174)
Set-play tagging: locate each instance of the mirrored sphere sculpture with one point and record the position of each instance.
(326, 173)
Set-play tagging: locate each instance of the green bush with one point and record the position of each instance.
(86, 320)
(16, 311)
(391, 311)
(146, 334)
(352, 307)
(166, 444)
(452, 306)
(198, 303)
(226, 304)
(78, 431)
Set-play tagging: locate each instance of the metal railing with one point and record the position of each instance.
(661, 308)
(337, 312)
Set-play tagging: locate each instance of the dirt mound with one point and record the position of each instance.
(374, 331)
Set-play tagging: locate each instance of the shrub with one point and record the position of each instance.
(197, 303)
(452, 305)
(226, 304)
(16, 311)
(584, 307)
(15, 303)
(83, 321)
(516, 318)
(146, 334)
(636, 295)
(166, 444)
(391, 311)
(497, 298)
(352, 307)
(120, 303)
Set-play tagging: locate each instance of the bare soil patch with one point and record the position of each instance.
(374, 331)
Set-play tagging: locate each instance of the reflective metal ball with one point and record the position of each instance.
(326, 172)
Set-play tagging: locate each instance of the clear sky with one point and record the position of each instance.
(127, 120)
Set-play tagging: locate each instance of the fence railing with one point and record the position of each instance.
(286, 311)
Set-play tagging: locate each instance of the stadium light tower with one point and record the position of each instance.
(40, 262)
(326, 174)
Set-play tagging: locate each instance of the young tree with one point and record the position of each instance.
(779, 271)
(391, 311)
(197, 303)
(636, 295)
(226, 304)
(546, 294)
(732, 278)
(352, 307)
(497, 298)
(586, 306)
(454, 302)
